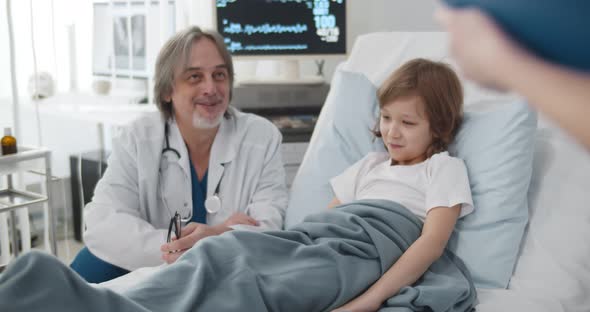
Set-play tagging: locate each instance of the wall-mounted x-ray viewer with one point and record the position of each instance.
(128, 35)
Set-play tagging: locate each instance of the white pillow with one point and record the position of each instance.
(554, 259)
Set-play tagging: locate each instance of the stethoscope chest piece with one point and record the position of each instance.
(213, 204)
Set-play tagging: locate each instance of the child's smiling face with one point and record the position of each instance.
(405, 130)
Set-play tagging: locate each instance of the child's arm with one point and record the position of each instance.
(436, 232)
(335, 202)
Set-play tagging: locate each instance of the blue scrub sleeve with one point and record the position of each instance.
(555, 30)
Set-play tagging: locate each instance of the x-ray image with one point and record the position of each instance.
(121, 42)
(125, 33)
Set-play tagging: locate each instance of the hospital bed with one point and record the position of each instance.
(531, 257)
(546, 267)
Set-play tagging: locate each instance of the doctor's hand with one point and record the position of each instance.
(240, 218)
(194, 232)
(189, 236)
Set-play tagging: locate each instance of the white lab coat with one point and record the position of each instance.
(127, 222)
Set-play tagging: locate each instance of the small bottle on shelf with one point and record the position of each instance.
(8, 142)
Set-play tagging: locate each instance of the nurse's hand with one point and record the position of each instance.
(481, 48)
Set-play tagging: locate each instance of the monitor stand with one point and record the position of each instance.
(283, 72)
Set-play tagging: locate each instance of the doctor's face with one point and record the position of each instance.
(405, 130)
(200, 94)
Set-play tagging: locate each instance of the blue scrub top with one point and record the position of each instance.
(557, 31)
(199, 190)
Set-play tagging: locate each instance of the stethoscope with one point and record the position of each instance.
(212, 203)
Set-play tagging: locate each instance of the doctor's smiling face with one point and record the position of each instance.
(405, 130)
(201, 89)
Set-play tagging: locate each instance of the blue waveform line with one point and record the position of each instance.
(237, 46)
(270, 47)
(224, 3)
(235, 28)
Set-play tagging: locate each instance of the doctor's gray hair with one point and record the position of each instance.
(176, 49)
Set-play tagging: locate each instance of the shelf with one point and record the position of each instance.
(11, 199)
(27, 158)
(24, 153)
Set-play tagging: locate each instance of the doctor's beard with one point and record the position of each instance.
(201, 122)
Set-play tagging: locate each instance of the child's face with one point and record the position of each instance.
(405, 130)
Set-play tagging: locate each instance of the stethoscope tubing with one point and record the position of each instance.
(212, 203)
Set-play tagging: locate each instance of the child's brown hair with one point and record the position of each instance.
(440, 90)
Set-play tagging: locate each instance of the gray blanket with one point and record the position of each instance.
(317, 265)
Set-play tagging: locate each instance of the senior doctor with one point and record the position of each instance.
(197, 158)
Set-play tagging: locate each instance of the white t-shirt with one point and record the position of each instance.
(441, 180)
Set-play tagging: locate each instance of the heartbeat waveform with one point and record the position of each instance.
(235, 28)
(237, 46)
(224, 3)
(270, 47)
(287, 1)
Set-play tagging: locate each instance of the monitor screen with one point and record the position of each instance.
(282, 27)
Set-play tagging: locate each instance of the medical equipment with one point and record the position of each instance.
(212, 203)
(167, 148)
(176, 220)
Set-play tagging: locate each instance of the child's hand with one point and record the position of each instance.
(361, 303)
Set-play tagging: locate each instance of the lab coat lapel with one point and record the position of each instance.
(177, 143)
(223, 152)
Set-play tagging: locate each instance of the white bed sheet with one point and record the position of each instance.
(504, 300)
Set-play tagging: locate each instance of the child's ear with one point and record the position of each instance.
(434, 136)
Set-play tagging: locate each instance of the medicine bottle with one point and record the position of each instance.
(8, 142)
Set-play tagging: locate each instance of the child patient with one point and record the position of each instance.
(383, 244)
(421, 107)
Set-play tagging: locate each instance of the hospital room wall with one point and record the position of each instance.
(56, 61)
(364, 17)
